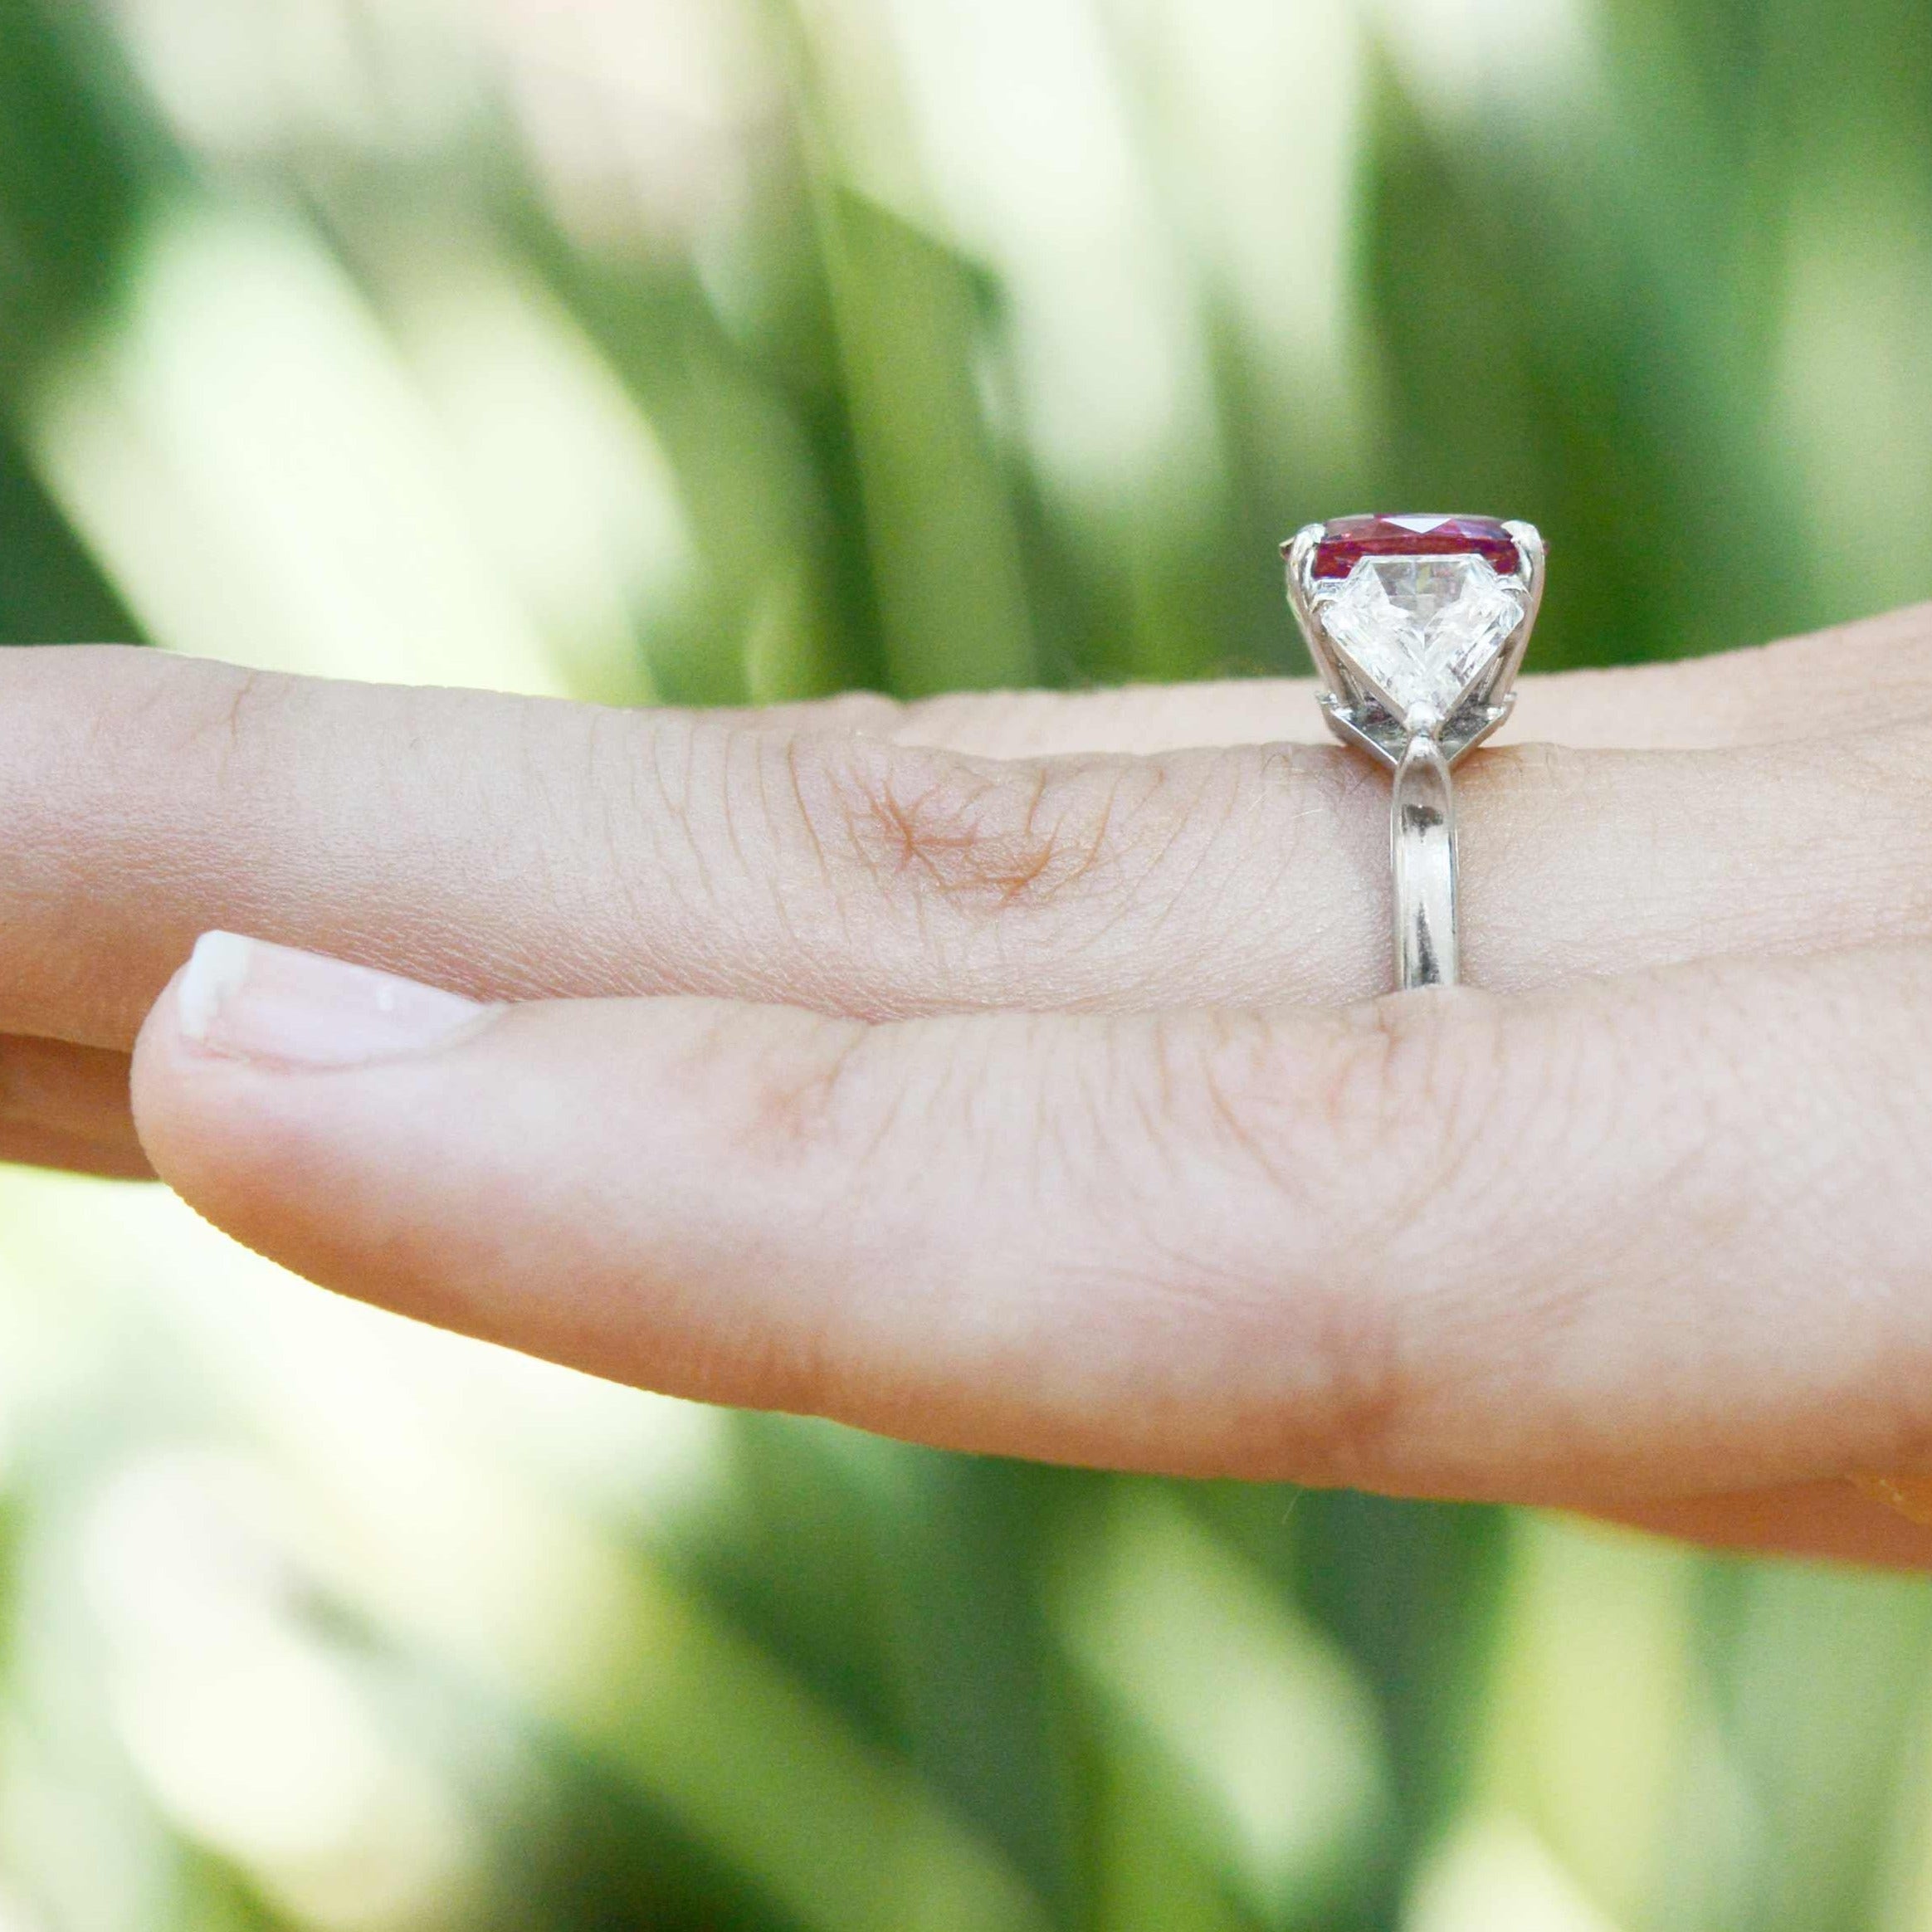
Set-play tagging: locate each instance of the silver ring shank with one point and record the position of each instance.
(1422, 858)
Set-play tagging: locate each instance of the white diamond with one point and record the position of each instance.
(1422, 629)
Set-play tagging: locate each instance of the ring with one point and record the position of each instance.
(1417, 626)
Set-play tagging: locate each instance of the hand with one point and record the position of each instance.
(1650, 1244)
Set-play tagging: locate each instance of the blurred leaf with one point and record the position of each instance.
(51, 590)
(81, 158)
(945, 551)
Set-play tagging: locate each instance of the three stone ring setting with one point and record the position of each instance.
(1417, 626)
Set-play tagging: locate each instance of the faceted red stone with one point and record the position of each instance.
(1346, 541)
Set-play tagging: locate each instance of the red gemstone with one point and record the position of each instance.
(1346, 541)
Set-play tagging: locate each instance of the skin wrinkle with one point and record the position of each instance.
(881, 1121)
(1546, 806)
(1338, 1392)
(1891, 1124)
(1166, 1095)
(1250, 1043)
(849, 1174)
(991, 1091)
(1174, 1301)
(999, 850)
(614, 770)
(1357, 1393)
(1531, 810)
(1276, 859)
(763, 1142)
(1345, 1388)
(668, 760)
(1897, 766)
(781, 903)
(1711, 1218)
(1542, 1313)
(155, 705)
(248, 687)
(1358, 814)
(799, 1121)
(729, 872)
(1072, 1108)
(1097, 848)
(731, 747)
(942, 828)
(832, 827)
(1182, 1309)
(694, 1338)
(1159, 860)
(1362, 1169)
(1077, 1117)
(1030, 827)
(1173, 889)
(1126, 1156)
(808, 826)
(1895, 1134)
(1676, 1188)
(670, 815)
(548, 808)
(1417, 1093)
(1545, 803)
(848, 1189)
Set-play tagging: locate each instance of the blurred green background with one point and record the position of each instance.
(687, 350)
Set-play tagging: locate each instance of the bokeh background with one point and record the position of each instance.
(694, 350)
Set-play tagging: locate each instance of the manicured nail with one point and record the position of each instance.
(244, 999)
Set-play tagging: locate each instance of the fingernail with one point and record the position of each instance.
(244, 999)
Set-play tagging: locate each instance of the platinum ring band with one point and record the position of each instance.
(1421, 852)
(1417, 625)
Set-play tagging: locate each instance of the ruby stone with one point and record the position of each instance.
(1346, 541)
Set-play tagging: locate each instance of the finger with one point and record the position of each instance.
(518, 849)
(1828, 1519)
(1667, 1236)
(1838, 680)
(66, 1106)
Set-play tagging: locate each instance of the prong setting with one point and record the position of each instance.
(1361, 708)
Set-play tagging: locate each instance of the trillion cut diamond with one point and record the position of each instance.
(1422, 629)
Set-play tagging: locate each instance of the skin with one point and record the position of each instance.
(1001, 1073)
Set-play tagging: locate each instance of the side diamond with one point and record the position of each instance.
(1422, 629)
